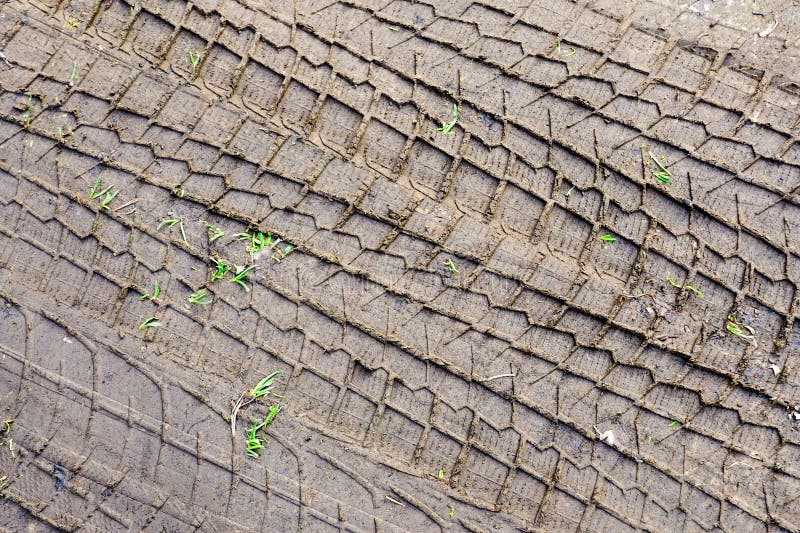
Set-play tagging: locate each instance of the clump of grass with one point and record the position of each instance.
(214, 233)
(447, 127)
(696, 291)
(257, 241)
(200, 297)
(151, 322)
(451, 266)
(608, 238)
(151, 297)
(737, 328)
(262, 389)
(241, 276)
(221, 271)
(255, 442)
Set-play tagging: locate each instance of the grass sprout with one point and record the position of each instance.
(262, 389)
(110, 196)
(255, 442)
(737, 328)
(241, 276)
(95, 193)
(673, 423)
(170, 222)
(447, 127)
(221, 270)
(151, 297)
(151, 322)
(214, 233)
(257, 241)
(200, 297)
(452, 266)
(696, 291)
(74, 74)
(280, 254)
(608, 238)
(107, 194)
(663, 175)
(194, 58)
(659, 164)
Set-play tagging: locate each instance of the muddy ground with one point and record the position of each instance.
(521, 265)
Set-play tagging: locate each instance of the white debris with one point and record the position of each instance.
(607, 436)
(769, 29)
(67, 340)
(775, 369)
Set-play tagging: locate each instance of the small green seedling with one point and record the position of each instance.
(221, 270)
(663, 178)
(151, 322)
(257, 241)
(608, 238)
(262, 389)
(214, 233)
(673, 423)
(107, 193)
(170, 222)
(105, 202)
(74, 74)
(737, 328)
(11, 447)
(94, 193)
(241, 276)
(28, 114)
(452, 512)
(686, 288)
(452, 266)
(7, 423)
(569, 192)
(664, 175)
(659, 164)
(254, 441)
(440, 474)
(571, 51)
(200, 297)
(151, 297)
(447, 127)
(194, 58)
(280, 254)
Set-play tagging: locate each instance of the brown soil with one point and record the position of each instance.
(515, 325)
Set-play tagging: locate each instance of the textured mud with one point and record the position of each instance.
(556, 382)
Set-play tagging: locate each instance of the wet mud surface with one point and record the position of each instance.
(574, 309)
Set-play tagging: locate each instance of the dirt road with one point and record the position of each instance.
(521, 265)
